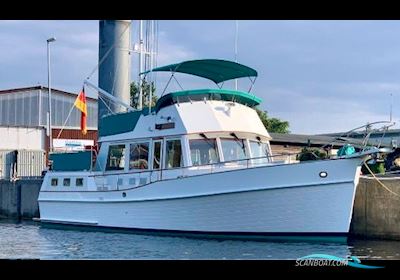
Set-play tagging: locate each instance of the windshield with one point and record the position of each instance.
(233, 149)
(203, 151)
(259, 150)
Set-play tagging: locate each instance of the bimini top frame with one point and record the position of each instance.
(216, 70)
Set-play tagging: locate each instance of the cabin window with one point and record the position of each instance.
(233, 149)
(54, 182)
(79, 182)
(174, 155)
(157, 155)
(67, 182)
(203, 151)
(116, 157)
(139, 156)
(259, 150)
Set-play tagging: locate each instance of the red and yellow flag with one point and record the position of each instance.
(80, 103)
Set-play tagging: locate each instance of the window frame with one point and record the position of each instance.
(51, 182)
(151, 153)
(149, 158)
(125, 155)
(217, 150)
(267, 157)
(76, 182)
(246, 148)
(183, 152)
(69, 184)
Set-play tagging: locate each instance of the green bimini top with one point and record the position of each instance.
(216, 70)
(208, 94)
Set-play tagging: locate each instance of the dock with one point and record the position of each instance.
(376, 212)
(18, 199)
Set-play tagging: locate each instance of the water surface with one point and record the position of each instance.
(30, 240)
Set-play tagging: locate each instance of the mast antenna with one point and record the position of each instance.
(236, 48)
(140, 64)
(391, 106)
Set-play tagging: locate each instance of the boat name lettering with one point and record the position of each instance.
(165, 125)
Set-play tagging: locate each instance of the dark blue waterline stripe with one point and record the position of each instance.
(316, 236)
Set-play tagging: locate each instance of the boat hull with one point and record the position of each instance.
(276, 200)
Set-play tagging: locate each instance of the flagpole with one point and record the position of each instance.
(69, 114)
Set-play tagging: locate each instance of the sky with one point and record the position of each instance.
(320, 76)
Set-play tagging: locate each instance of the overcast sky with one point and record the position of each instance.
(321, 76)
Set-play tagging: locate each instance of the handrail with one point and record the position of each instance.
(237, 163)
(210, 165)
(248, 164)
(211, 170)
(368, 131)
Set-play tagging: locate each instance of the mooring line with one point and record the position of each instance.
(380, 183)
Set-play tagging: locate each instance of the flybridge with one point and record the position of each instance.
(125, 122)
(215, 70)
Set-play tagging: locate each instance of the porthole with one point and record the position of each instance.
(54, 182)
(323, 174)
(79, 182)
(132, 181)
(123, 194)
(67, 182)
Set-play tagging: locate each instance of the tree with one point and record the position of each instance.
(273, 124)
(146, 93)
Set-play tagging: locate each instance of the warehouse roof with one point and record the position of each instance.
(374, 134)
(313, 140)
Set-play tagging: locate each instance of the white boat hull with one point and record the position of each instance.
(278, 200)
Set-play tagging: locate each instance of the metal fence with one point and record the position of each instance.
(30, 163)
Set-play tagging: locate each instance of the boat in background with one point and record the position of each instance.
(200, 163)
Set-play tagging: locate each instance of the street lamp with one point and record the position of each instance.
(52, 39)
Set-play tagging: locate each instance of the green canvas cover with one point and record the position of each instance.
(74, 161)
(120, 123)
(216, 70)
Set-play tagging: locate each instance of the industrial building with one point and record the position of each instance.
(24, 126)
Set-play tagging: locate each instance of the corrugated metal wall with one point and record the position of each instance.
(21, 108)
(31, 163)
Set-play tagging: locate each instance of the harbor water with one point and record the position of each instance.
(30, 240)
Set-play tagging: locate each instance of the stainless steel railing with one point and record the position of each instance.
(155, 175)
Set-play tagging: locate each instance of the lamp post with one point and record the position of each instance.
(52, 39)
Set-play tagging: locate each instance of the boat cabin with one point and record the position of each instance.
(188, 132)
(190, 128)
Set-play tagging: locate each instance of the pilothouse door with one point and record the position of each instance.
(157, 160)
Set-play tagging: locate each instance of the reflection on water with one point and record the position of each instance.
(30, 240)
(375, 249)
